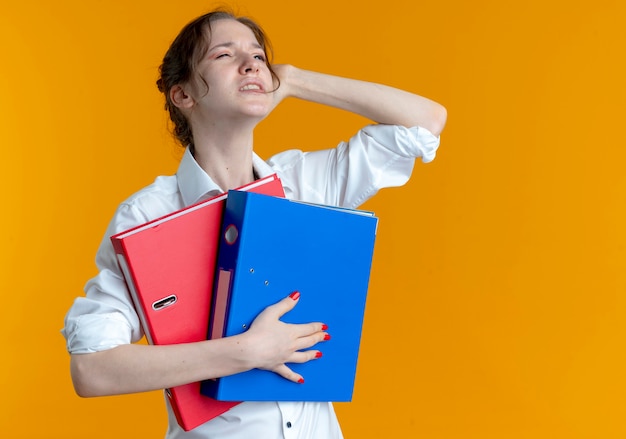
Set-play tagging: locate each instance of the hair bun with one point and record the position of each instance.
(160, 85)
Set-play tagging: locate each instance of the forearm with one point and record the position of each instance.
(380, 103)
(138, 368)
(269, 344)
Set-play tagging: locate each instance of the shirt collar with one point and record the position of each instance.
(195, 185)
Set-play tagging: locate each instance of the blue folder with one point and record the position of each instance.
(271, 247)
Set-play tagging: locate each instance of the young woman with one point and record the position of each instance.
(219, 84)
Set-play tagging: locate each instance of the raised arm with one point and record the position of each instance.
(380, 103)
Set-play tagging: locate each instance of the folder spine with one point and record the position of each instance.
(230, 240)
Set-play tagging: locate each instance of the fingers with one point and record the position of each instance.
(289, 374)
(305, 356)
(298, 357)
(279, 343)
(309, 334)
(282, 307)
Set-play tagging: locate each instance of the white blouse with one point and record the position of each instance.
(377, 156)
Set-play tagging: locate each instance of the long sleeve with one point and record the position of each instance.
(376, 157)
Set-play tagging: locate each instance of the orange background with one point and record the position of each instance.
(497, 301)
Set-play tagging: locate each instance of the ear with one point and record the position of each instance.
(180, 98)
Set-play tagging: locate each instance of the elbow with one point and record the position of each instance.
(84, 378)
(437, 121)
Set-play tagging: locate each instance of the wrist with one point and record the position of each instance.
(243, 351)
(286, 74)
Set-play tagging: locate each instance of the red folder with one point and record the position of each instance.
(169, 264)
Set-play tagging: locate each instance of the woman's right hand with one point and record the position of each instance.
(271, 343)
(281, 91)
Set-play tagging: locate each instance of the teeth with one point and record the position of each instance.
(251, 87)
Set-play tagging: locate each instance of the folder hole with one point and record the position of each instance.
(231, 234)
(164, 303)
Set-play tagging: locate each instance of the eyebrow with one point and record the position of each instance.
(230, 44)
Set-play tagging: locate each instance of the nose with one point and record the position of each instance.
(250, 65)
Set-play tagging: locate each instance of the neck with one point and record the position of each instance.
(225, 157)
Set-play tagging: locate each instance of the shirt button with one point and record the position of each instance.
(288, 424)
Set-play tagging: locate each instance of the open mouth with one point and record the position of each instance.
(250, 87)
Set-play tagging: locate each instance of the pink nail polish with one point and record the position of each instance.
(295, 295)
(324, 327)
(327, 337)
(318, 354)
(301, 380)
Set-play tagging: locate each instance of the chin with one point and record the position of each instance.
(259, 112)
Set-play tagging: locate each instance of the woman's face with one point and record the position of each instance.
(234, 68)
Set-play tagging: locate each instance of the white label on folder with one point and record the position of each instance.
(221, 301)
